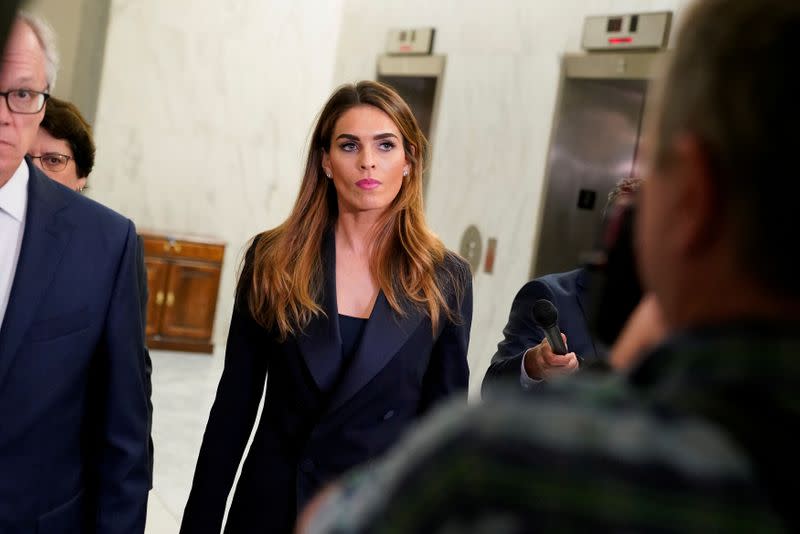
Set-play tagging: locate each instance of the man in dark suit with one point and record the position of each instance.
(524, 355)
(74, 390)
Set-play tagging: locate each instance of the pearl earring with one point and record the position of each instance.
(405, 173)
(328, 174)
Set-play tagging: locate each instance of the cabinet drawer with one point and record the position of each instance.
(172, 248)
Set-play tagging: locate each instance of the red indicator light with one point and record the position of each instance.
(620, 40)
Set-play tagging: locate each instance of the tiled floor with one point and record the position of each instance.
(183, 391)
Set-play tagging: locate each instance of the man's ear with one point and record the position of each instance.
(698, 194)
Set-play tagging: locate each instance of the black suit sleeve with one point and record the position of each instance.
(232, 417)
(124, 473)
(448, 370)
(141, 272)
(520, 334)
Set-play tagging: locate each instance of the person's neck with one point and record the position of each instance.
(353, 231)
(726, 301)
(5, 177)
(7, 173)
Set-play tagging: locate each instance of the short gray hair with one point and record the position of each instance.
(47, 40)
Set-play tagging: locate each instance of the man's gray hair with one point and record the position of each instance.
(47, 40)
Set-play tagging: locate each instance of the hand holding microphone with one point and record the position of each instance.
(550, 358)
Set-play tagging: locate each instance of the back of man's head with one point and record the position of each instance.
(733, 85)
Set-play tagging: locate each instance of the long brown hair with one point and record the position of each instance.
(286, 278)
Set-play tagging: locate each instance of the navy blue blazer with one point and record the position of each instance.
(568, 292)
(74, 415)
(309, 434)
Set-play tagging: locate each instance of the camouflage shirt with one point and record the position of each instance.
(696, 439)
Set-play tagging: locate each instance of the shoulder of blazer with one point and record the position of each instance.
(565, 283)
(454, 278)
(73, 207)
(454, 270)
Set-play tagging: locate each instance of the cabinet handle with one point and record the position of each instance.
(159, 298)
(170, 299)
(173, 246)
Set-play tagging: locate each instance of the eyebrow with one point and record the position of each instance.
(378, 137)
(26, 82)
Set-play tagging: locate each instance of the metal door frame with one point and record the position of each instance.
(631, 65)
(431, 66)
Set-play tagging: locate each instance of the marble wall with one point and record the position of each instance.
(496, 110)
(205, 108)
(203, 115)
(80, 27)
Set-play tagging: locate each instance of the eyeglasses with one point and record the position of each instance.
(25, 101)
(53, 161)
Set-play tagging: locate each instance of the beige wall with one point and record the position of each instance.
(203, 115)
(205, 108)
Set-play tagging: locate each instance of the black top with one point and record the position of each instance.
(351, 329)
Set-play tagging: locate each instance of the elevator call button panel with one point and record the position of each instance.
(646, 31)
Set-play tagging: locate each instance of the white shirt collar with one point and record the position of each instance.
(14, 195)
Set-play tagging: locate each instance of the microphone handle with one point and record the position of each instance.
(553, 335)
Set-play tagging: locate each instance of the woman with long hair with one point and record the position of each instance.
(352, 310)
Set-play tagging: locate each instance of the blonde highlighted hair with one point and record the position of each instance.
(285, 278)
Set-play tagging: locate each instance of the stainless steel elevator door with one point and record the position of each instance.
(594, 145)
(418, 79)
(419, 92)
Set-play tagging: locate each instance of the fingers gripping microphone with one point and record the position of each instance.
(546, 316)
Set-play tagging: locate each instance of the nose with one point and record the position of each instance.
(366, 158)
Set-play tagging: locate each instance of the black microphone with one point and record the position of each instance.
(546, 316)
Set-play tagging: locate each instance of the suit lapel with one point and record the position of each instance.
(384, 335)
(43, 244)
(580, 292)
(321, 343)
(581, 288)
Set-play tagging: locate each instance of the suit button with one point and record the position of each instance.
(307, 466)
(388, 415)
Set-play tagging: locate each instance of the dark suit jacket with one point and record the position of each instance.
(141, 277)
(568, 292)
(74, 419)
(309, 434)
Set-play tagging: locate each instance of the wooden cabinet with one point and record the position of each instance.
(183, 275)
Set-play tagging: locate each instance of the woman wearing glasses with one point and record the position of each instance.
(353, 313)
(64, 149)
